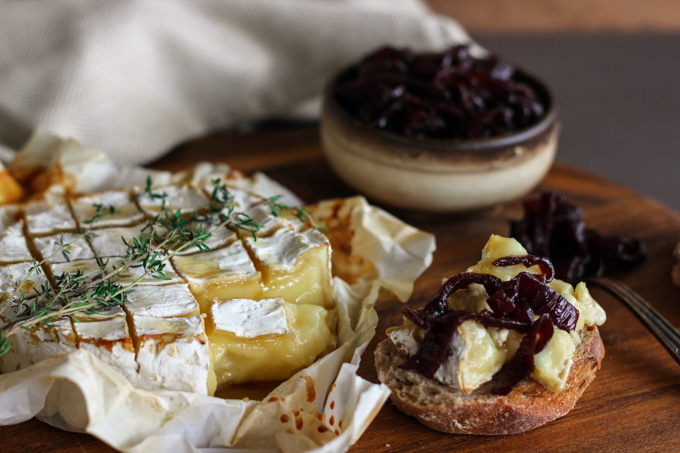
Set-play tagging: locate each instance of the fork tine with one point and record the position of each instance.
(664, 331)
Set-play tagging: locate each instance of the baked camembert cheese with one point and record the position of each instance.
(185, 287)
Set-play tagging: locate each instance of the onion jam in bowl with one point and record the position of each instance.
(440, 132)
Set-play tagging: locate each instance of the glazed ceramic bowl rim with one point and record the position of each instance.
(446, 146)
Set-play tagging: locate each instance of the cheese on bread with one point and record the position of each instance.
(479, 352)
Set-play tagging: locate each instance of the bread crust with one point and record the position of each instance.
(446, 409)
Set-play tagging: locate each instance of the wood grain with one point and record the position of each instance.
(550, 16)
(632, 404)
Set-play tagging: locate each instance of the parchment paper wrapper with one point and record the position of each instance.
(325, 407)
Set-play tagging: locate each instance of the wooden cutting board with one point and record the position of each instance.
(634, 402)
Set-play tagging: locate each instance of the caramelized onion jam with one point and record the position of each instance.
(445, 95)
(554, 228)
(500, 295)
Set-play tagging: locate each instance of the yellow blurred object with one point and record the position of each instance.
(10, 190)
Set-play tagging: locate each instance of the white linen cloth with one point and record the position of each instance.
(135, 78)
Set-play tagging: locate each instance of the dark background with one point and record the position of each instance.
(619, 100)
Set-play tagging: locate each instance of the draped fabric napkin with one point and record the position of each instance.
(135, 78)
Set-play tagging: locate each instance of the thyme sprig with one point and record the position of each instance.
(102, 210)
(41, 309)
(222, 210)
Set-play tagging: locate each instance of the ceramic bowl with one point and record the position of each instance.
(439, 175)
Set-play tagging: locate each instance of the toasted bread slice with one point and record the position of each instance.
(447, 409)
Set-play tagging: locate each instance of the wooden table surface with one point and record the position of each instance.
(633, 404)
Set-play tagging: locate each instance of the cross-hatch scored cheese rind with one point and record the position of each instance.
(284, 259)
(159, 338)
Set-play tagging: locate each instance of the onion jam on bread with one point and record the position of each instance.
(501, 349)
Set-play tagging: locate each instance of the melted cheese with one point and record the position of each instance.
(226, 273)
(10, 190)
(294, 266)
(272, 356)
(554, 362)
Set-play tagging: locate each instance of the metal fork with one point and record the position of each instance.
(650, 318)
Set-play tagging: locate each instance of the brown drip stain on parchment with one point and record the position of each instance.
(298, 420)
(311, 389)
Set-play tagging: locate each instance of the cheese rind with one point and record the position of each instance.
(13, 245)
(108, 242)
(79, 248)
(186, 199)
(219, 237)
(166, 301)
(47, 218)
(242, 200)
(133, 273)
(29, 347)
(173, 354)
(247, 318)
(110, 340)
(226, 273)
(9, 215)
(12, 274)
(124, 276)
(126, 212)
